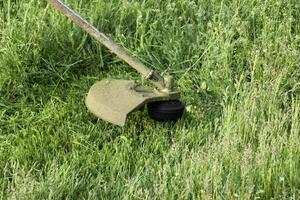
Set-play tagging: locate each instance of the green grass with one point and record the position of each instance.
(237, 64)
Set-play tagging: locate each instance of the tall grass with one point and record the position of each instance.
(237, 65)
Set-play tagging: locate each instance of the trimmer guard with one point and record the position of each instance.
(113, 100)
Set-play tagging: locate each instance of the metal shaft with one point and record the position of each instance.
(156, 79)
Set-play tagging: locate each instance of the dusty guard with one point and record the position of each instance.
(113, 100)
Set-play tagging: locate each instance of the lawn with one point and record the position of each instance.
(237, 64)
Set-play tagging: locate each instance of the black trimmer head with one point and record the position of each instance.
(164, 111)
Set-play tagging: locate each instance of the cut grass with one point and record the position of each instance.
(237, 65)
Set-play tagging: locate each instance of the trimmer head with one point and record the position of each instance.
(113, 100)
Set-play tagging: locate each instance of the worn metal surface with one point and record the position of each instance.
(113, 100)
